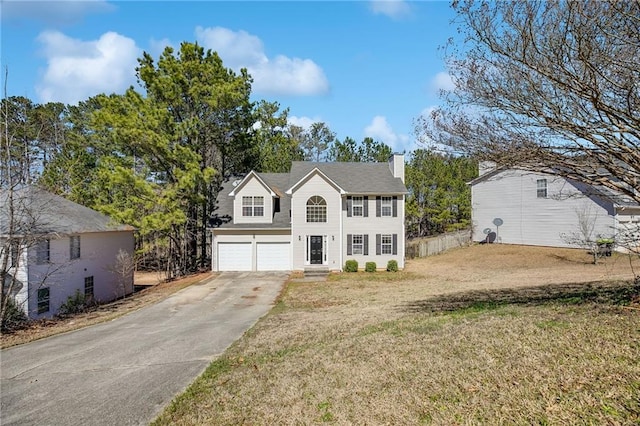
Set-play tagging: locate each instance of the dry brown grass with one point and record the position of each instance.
(482, 335)
(155, 292)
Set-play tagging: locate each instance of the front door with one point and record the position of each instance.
(316, 250)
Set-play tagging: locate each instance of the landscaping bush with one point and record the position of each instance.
(74, 305)
(351, 266)
(370, 267)
(14, 318)
(392, 266)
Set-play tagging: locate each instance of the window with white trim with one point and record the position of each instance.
(316, 209)
(541, 188)
(386, 244)
(386, 206)
(357, 206)
(42, 252)
(43, 300)
(357, 244)
(253, 206)
(74, 247)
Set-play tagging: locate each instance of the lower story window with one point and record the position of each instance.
(386, 244)
(88, 288)
(358, 244)
(43, 300)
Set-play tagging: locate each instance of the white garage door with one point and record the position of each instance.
(234, 257)
(273, 257)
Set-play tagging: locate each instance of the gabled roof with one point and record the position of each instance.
(37, 211)
(315, 171)
(246, 179)
(352, 178)
(223, 214)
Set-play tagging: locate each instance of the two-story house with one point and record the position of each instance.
(515, 206)
(54, 248)
(319, 215)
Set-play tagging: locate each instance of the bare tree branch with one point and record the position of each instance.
(547, 85)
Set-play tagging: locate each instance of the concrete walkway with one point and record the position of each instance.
(126, 371)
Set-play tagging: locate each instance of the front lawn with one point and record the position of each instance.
(481, 335)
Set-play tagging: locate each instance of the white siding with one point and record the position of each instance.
(253, 188)
(512, 196)
(316, 185)
(371, 226)
(63, 276)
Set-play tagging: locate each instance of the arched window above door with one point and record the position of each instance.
(316, 209)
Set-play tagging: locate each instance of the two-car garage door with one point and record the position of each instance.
(239, 256)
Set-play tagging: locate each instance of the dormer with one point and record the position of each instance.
(253, 200)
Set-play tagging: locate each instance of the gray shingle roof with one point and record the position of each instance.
(37, 211)
(354, 178)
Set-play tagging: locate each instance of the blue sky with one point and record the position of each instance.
(365, 68)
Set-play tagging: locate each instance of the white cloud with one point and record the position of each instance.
(280, 75)
(442, 81)
(395, 9)
(304, 122)
(381, 130)
(156, 47)
(77, 70)
(52, 12)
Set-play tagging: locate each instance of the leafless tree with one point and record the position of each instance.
(551, 85)
(585, 235)
(23, 226)
(124, 268)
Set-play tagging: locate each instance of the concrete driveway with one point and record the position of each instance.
(126, 371)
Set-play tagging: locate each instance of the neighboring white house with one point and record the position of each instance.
(317, 216)
(514, 206)
(60, 247)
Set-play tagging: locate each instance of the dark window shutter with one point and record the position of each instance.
(395, 206)
(349, 244)
(349, 203)
(378, 206)
(378, 245)
(344, 204)
(395, 244)
(365, 240)
(365, 201)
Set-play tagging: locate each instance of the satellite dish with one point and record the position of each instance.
(486, 231)
(497, 221)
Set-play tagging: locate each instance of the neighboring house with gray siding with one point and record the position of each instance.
(515, 206)
(319, 215)
(55, 248)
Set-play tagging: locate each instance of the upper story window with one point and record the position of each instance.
(316, 209)
(42, 252)
(357, 206)
(253, 206)
(542, 188)
(386, 206)
(74, 247)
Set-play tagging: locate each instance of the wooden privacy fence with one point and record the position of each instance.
(434, 245)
